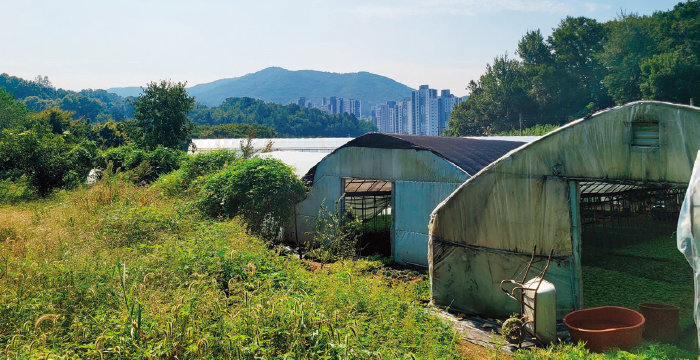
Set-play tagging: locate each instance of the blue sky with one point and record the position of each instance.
(444, 43)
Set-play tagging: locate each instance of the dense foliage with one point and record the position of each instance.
(585, 66)
(142, 166)
(235, 117)
(262, 191)
(287, 120)
(49, 150)
(160, 116)
(194, 170)
(92, 105)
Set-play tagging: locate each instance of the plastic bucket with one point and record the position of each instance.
(606, 327)
(662, 322)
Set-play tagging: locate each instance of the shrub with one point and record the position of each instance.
(256, 189)
(335, 237)
(207, 163)
(117, 156)
(193, 168)
(143, 166)
(47, 160)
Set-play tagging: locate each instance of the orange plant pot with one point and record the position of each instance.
(606, 327)
(662, 322)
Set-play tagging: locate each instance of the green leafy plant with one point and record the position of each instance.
(335, 236)
(256, 189)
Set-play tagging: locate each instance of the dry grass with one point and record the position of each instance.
(79, 279)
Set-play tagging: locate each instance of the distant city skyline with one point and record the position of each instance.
(422, 113)
(82, 44)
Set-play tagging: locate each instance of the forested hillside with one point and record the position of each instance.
(284, 86)
(287, 120)
(100, 106)
(92, 105)
(585, 66)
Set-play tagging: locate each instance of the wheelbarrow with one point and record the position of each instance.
(535, 320)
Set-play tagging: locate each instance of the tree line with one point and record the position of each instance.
(585, 66)
(52, 149)
(287, 120)
(235, 117)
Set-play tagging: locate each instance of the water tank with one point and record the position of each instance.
(545, 310)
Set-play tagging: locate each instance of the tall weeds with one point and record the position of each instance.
(119, 271)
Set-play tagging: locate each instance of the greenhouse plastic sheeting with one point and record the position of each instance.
(472, 277)
(414, 201)
(529, 197)
(688, 233)
(421, 180)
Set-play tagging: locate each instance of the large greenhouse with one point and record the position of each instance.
(603, 184)
(392, 183)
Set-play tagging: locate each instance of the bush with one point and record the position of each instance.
(259, 190)
(207, 163)
(143, 166)
(193, 168)
(47, 160)
(117, 156)
(335, 237)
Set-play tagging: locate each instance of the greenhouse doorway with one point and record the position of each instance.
(628, 249)
(370, 201)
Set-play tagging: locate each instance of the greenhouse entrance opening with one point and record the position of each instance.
(370, 202)
(628, 248)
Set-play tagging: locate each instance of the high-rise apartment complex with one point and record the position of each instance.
(336, 105)
(423, 113)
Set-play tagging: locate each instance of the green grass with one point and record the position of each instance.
(651, 271)
(575, 352)
(626, 275)
(118, 271)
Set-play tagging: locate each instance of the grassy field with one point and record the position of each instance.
(117, 271)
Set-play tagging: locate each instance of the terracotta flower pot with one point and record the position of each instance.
(606, 327)
(662, 322)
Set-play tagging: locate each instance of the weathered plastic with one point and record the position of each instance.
(606, 327)
(545, 313)
(662, 322)
(483, 232)
(688, 234)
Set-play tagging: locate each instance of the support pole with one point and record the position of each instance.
(576, 287)
(520, 119)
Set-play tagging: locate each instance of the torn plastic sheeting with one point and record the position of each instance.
(688, 234)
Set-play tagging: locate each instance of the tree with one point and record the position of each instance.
(49, 150)
(12, 113)
(495, 101)
(575, 43)
(671, 77)
(160, 116)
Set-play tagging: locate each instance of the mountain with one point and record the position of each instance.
(283, 86)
